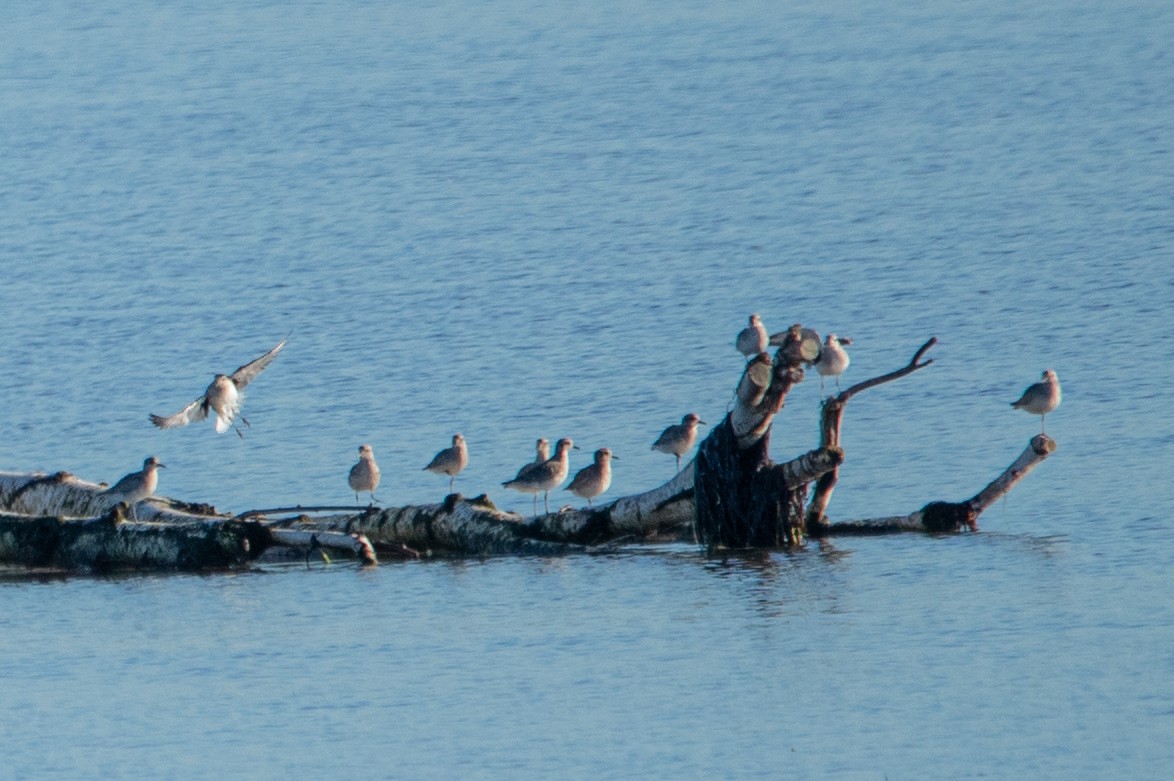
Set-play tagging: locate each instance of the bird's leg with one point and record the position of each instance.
(546, 501)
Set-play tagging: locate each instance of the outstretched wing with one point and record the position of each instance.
(247, 373)
(197, 410)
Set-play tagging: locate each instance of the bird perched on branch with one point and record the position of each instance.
(136, 486)
(1041, 398)
(364, 475)
(594, 479)
(451, 460)
(832, 360)
(676, 440)
(224, 397)
(546, 476)
(752, 339)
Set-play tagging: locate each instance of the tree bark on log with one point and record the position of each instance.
(743, 499)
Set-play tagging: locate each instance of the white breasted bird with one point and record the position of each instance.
(364, 475)
(223, 397)
(1041, 398)
(833, 359)
(752, 339)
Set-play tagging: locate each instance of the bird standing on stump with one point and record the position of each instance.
(833, 360)
(752, 339)
(1041, 398)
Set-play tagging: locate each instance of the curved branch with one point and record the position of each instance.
(911, 367)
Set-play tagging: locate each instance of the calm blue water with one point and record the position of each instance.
(520, 219)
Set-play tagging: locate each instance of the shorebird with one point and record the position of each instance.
(451, 460)
(592, 480)
(136, 486)
(364, 475)
(832, 360)
(550, 474)
(541, 453)
(752, 339)
(1041, 398)
(224, 397)
(679, 438)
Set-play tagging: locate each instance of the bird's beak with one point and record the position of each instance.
(703, 423)
(575, 447)
(161, 465)
(844, 340)
(615, 458)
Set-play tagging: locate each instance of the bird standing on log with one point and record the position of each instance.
(676, 440)
(364, 475)
(1041, 398)
(451, 460)
(136, 486)
(541, 453)
(832, 360)
(224, 397)
(546, 476)
(593, 480)
(752, 339)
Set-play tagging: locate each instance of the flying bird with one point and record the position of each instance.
(1041, 398)
(223, 397)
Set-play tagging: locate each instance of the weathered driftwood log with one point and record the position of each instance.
(831, 420)
(109, 543)
(944, 517)
(61, 521)
(743, 499)
(477, 527)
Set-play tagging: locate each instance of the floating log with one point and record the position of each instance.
(108, 543)
(731, 495)
(743, 498)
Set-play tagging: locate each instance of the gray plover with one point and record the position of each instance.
(752, 339)
(676, 440)
(833, 359)
(546, 476)
(592, 480)
(1041, 398)
(224, 397)
(541, 453)
(136, 486)
(451, 460)
(364, 475)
